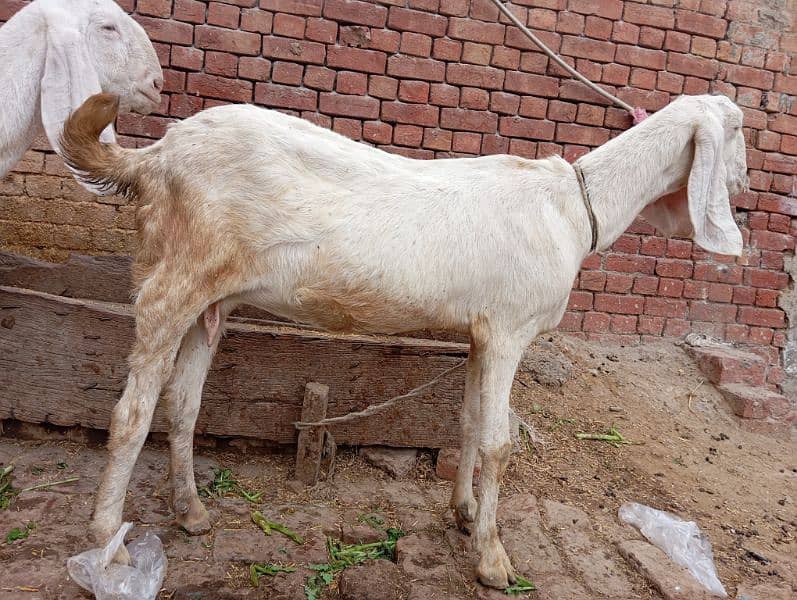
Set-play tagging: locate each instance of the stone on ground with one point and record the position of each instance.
(396, 462)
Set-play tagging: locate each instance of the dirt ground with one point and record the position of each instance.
(558, 510)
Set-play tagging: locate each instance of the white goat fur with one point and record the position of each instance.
(246, 205)
(54, 54)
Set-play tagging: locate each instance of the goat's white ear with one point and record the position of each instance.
(709, 204)
(69, 79)
(670, 215)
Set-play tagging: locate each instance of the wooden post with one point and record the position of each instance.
(311, 441)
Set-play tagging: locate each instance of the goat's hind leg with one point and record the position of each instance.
(463, 502)
(159, 329)
(183, 398)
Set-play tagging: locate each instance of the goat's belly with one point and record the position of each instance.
(354, 311)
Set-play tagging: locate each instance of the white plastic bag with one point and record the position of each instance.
(92, 570)
(681, 540)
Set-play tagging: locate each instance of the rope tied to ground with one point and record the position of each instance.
(638, 114)
(377, 408)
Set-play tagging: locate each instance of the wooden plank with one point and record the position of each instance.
(63, 361)
(108, 279)
(311, 441)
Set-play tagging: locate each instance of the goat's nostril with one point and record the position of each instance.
(157, 83)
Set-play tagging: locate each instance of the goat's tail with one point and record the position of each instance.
(109, 167)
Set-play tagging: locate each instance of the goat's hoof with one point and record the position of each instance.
(465, 514)
(194, 518)
(122, 556)
(496, 571)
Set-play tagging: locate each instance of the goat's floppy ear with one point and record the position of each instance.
(69, 79)
(709, 204)
(670, 215)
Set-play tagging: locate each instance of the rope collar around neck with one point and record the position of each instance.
(593, 222)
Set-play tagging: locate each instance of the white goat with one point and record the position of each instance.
(54, 54)
(240, 204)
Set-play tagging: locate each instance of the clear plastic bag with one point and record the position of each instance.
(93, 570)
(681, 540)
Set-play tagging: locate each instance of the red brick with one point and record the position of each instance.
(589, 114)
(223, 15)
(579, 134)
(671, 288)
(416, 44)
(707, 311)
(612, 303)
(610, 9)
(641, 57)
(767, 298)
(283, 96)
(445, 49)
(529, 83)
(466, 142)
(477, 54)
(292, 26)
(667, 267)
(162, 30)
(351, 128)
(442, 94)
(763, 278)
(413, 91)
(623, 32)
(568, 22)
(779, 223)
(474, 98)
(755, 402)
(185, 57)
(411, 67)
(594, 321)
(437, 139)
(533, 107)
(253, 19)
(677, 328)
(221, 63)
(385, 40)
(222, 88)
(356, 59)
(527, 128)
(686, 64)
(319, 30)
(772, 260)
(468, 120)
(728, 366)
(763, 317)
(749, 76)
(407, 135)
(475, 75)
(771, 240)
(504, 103)
(692, 22)
(598, 28)
(580, 301)
(665, 307)
(414, 114)
(619, 283)
(646, 285)
(643, 14)
(349, 83)
(651, 38)
(361, 107)
(587, 48)
(562, 111)
(183, 106)
(475, 31)
(377, 132)
(353, 11)
(155, 8)
(236, 42)
(571, 321)
(189, 10)
(319, 78)
(419, 22)
(720, 292)
(523, 148)
(383, 87)
(630, 264)
(615, 74)
(623, 324)
(592, 280)
(542, 18)
(293, 50)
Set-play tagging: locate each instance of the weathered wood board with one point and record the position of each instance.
(63, 361)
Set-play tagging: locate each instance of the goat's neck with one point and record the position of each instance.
(634, 169)
(22, 47)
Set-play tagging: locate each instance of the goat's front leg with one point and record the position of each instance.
(183, 398)
(463, 501)
(498, 365)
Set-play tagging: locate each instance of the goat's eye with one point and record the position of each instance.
(109, 27)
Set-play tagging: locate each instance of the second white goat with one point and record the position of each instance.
(54, 54)
(240, 204)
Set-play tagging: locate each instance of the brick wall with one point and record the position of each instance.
(433, 78)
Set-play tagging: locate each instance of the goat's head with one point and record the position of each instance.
(718, 171)
(93, 46)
